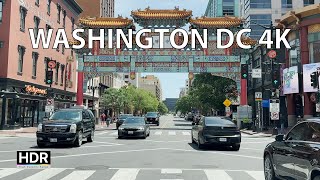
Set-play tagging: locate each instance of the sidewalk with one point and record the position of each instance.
(32, 130)
(257, 134)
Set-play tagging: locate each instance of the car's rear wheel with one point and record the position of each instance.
(316, 178)
(91, 137)
(268, 168)
(78, 141)
(158, 123)
(40, 145)
(119, 137)
(236, 147)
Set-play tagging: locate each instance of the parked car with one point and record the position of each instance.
(67, 126)
(152, 118)
(121, 118)
(189, 116)
(134, 127)
(295, 155)
(215, 131)
(196, 118)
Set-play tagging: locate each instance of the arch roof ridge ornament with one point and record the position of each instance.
(293, 13)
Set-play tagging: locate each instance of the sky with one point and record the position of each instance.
(170, 82)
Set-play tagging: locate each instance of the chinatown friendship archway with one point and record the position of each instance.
(220, 62)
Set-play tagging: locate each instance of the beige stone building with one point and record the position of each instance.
(152, 84)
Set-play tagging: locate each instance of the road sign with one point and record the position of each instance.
(256, 73)
(50, 102)
(227, 103)
(52, 64)
(49, 108)
(258, 96)
(318, 107)
(275, 116)
(274, 105)
(272, 54)
(228, 109)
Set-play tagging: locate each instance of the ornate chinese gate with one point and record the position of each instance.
(220, 62)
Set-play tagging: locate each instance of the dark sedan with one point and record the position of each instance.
(152, 118)
(295, 155)
(216, 131)
(134, 127)
(122, 118)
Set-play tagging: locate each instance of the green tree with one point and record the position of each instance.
(162, 108)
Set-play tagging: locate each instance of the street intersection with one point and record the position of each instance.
(166, 155)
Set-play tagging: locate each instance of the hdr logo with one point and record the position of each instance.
(33, 159)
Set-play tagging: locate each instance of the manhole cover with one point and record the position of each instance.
(93, 167)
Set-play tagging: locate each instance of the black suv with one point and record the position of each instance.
(152, 118)
(67, 126)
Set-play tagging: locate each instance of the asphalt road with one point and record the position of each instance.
(166, 155)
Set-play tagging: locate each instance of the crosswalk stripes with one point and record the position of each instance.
(114, 133)
(172, 133)
(158, 133)
(186, 133)
(79, 175)
(124, 173)
(45, 174)
(8, 172)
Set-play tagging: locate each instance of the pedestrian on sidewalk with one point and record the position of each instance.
(103, 119)
(108, 119)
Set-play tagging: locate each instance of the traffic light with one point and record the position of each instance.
(49, 77)
(314, 79)
(275, 78)
(244, 71)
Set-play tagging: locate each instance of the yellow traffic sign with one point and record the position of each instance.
(227, 103)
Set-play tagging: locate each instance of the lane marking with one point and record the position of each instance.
(125, 174)
(114, 133)
(101, 142)
(186, 133)
(8, 172)
(188, 169)
(217, 175)
(258, 175)
(172, 133)
(78, 175)
(158, 133)
(89, 154)
(45, 174)
(171, 171)
(167, 141)
(97, 134)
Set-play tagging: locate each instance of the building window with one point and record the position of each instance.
(62, 73)
(37, 2)
(35, 57)
(59, 12)
(64, 18)
(286, 3)
(47, 28)
(21, 51)
(72, 52)
(23, 14)
(308, 2)
(36, 25)
(314, 51)
(57, 72)
(261, 19)
(260, 4)
(72, 21)
(1, 10)
(48, 7)
(46, 60)
(228, 7)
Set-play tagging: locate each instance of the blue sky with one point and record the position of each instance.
(170, 82)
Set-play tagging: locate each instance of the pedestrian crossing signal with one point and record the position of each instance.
(314, 79)
(49, 77)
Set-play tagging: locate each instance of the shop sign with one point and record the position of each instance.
(34, 90)
(30, 6)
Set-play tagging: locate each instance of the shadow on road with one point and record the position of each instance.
(210, 147)
(58, 146)
(179, 124)
(158, 128)
(180, 120)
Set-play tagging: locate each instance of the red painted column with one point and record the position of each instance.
(290, 98)
(80, 89)
(308, 105)
(243, 94)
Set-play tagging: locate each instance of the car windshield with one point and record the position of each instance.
(152, 114)
(66, 115)
(134, 121)
(218, 121)
(124, 116)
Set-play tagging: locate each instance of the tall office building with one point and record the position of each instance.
(152, 84)
(89, 8)
(219, 8)
(264, 12)
(107, 8)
